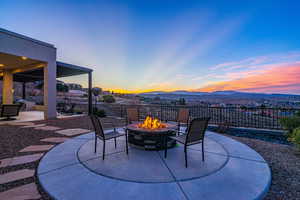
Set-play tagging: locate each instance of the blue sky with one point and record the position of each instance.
(169, 45)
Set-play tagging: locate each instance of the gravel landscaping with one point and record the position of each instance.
(284, 160)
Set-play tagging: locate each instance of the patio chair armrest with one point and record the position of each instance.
(111, 123)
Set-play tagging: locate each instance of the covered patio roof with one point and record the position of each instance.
(24, 59)
(63, 70)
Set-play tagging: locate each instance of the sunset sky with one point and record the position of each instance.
(137, 45)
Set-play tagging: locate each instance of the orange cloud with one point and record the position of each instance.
(278, 79)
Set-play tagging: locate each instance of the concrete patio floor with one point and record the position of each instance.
(231, 170)
(26, 116)
(30, 116)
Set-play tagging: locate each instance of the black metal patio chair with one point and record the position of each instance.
(8, 111)
(99, 133)
(132, 115)
(194, 135)
(182, 120)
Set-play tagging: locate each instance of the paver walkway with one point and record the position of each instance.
(74, 131)
(16, 175)
(48, 128)
(34, 126)
(37, 148)
(30, 191)
(55, 139)
(20, 123)
(20, 160)
(24, 192)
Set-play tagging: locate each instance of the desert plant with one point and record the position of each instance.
(290, 123)
(295, 137)
(99, 112)
(109, 99)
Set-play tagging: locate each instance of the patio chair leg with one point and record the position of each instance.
(95, 144)
(103, 152)
(126, 143)
(202, 151)
(166, 146)
(115, 143)
(185, 156)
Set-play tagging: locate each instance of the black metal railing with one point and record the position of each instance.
(264, 118)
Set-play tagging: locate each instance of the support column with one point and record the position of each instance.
(7, 92)
(50, 90)
(24, 90)
(90, 94)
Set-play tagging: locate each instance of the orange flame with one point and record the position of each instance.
(151, 123)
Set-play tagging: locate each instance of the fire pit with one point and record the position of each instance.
(150, 134)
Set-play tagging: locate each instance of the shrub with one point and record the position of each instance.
(99, 112)
(295, 137)
(290, 123)
(109, 99)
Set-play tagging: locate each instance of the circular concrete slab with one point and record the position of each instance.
(72, 170)
(151, 166)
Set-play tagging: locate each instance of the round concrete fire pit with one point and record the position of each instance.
(150, 139)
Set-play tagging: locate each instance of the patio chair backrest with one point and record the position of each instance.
(183, 115)
(132, 115)
(10, 110)
(196, 130)
(97, 126)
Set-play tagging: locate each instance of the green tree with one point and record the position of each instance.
(295, 137)
(181, 101)
(109, 99)
(60, 86)
(290, 123)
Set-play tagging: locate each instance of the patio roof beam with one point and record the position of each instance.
(30, 76)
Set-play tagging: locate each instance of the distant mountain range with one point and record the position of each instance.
(229, 96)
(225, 92)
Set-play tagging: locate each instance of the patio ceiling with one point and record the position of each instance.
(11, 62)
(29, 70)
(63, 70)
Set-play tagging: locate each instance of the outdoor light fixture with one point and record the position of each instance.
(24, 58)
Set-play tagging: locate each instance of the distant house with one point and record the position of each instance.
(76, 93)
(74, 86)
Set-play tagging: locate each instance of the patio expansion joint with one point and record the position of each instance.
(193, 178)
(108, 154)
(59, 168)
(248, 159)
(232, 156)
(176, 181)
(78, 162)
(75, 138)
